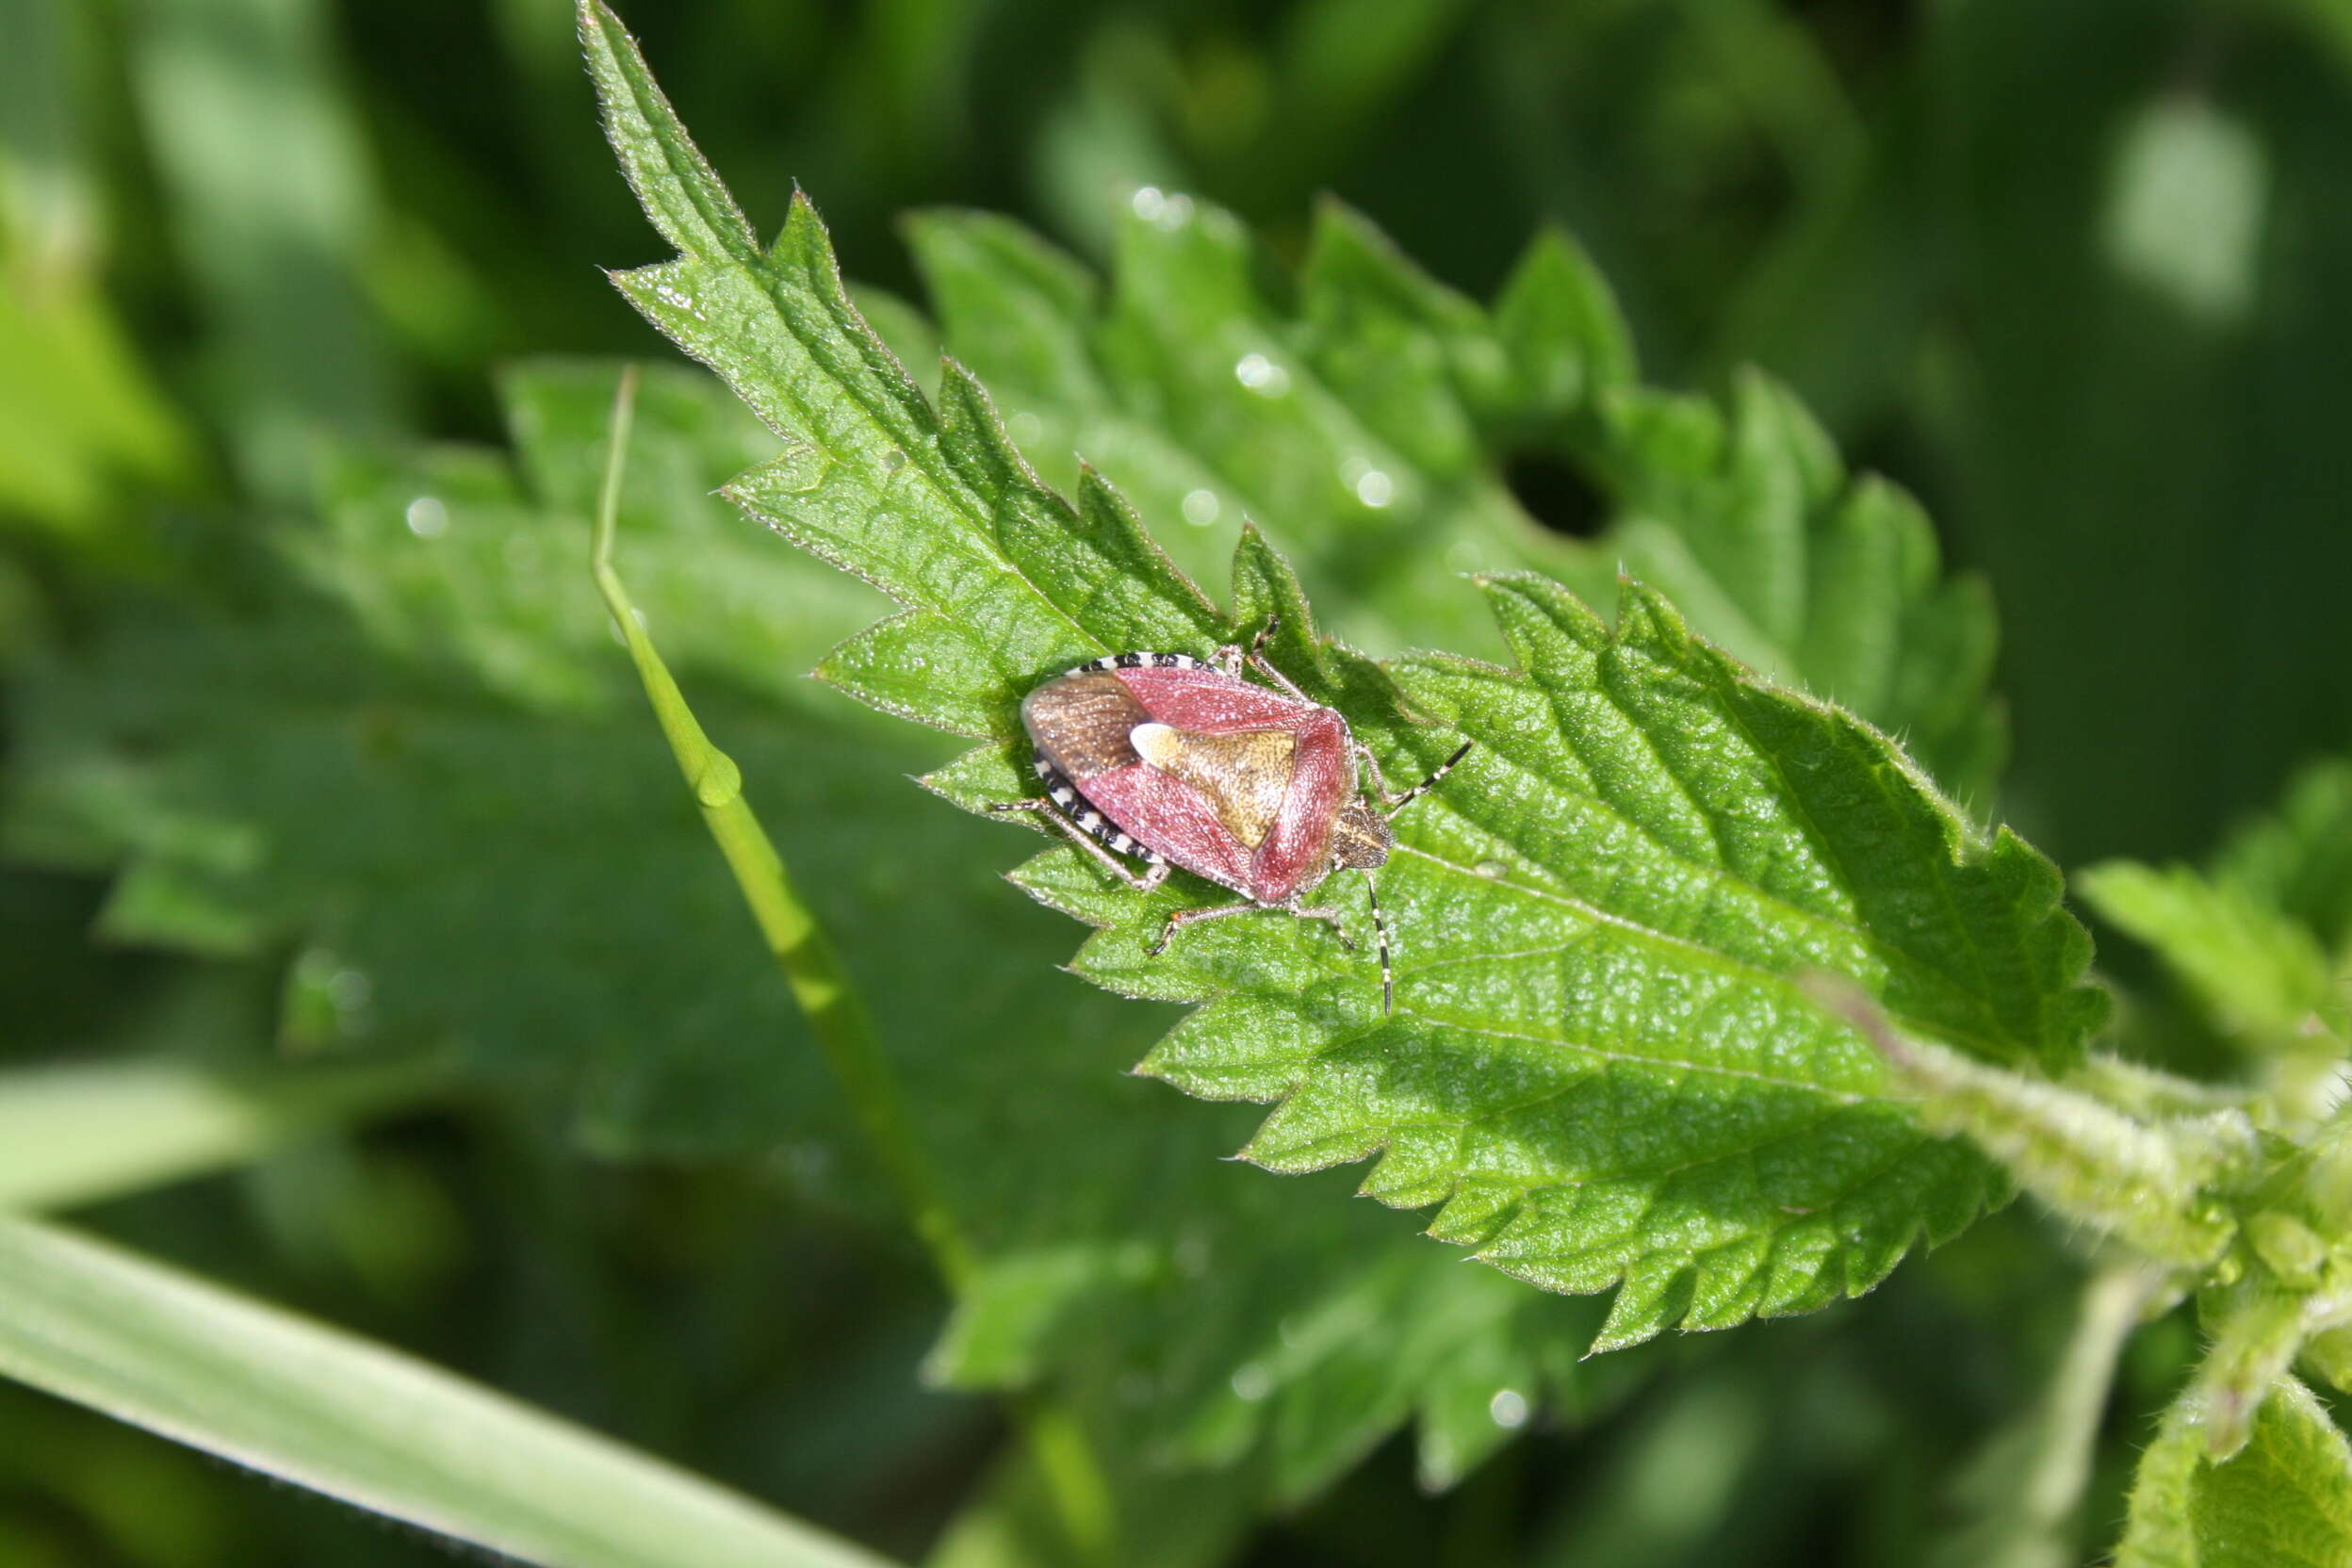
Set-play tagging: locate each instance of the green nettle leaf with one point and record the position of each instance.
(1750, 524)
(1371, 420)
(2255, 968)
(2286, 1497)
(2297, 859)
(1603, 1065)
(2263, 939)
(2241, 1195)
(409, 752)
(417, 757)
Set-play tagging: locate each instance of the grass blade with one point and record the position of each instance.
(80, 1133)
(357, 1421)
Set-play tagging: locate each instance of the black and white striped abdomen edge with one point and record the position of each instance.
(1091, 822)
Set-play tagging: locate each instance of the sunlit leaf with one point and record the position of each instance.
(1601, 1065)
(2285, 1498)
(1371, 427)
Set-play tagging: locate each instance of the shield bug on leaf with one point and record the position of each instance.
(1182, 762)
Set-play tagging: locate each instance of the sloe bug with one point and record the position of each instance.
(1180, 760)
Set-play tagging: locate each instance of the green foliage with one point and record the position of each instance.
(2286, 1497)
(325, 751)
(289, 1399)
(1365, 420)
(1618, 894)
(1370, 422)
(71, 1135)
(78, 414)
(387, 751)
(2247, 1202)
(2149, 1184)
(2263, 943)
(2250, 965)
(481, 720)
(2023, 1493)
(2297, 859)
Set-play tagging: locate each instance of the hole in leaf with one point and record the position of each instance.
(1557, 494)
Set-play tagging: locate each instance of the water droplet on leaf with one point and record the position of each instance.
(1261, 375)
(720, 781)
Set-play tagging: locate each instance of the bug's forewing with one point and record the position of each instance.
(1245, 776)
(1206, 702)
(1083, 721)
(1297, 853)
(1241, 786)
(1175, 821)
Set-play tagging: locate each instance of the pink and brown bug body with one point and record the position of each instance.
(1180, 761)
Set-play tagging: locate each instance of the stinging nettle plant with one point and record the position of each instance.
(1705, 992)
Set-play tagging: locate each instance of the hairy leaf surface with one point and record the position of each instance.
(2285, 1498)
(1601, 1065)
(1372, 423)
(413, 756)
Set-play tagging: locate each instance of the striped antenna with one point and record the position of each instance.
(1379, 927)
(1428, 784)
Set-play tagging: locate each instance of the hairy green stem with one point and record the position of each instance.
(2114, 1302)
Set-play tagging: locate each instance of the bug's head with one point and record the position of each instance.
(1360, 837)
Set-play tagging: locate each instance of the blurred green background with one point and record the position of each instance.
(2079, 273)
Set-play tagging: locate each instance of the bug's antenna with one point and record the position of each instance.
(1379, 927)
(1429, 783)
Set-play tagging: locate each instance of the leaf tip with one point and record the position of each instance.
(591, 16)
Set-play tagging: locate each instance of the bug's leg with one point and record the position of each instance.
(1150, 878)
(1397, 803)
(1230, 659)
(1266, 634)
(1329, 916)
(1264, 666)
(1191, 916)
